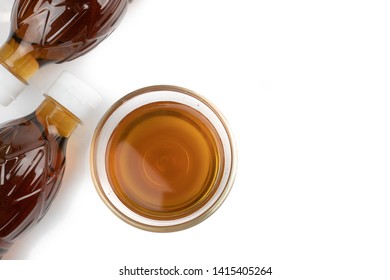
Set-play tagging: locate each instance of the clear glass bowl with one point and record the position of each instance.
(110, 122)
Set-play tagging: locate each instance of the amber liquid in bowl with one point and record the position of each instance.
(164, 160)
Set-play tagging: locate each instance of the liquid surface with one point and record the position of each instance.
(163, 160)
(31, 167)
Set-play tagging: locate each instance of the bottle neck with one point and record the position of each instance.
(18, 58)
(51, 113)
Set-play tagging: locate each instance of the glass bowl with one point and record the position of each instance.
(163, 158)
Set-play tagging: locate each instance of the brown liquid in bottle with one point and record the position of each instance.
(32, 162)
(164, 160)
(47, 31)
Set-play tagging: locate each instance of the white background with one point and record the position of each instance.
(305, 88)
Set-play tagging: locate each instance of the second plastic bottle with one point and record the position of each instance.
(32, 156)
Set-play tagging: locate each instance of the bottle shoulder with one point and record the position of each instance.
(30, 130)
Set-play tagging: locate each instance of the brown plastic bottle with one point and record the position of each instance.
(32, 156)
(47, 31)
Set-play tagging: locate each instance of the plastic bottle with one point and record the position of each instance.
(32, 155)
(47, 31)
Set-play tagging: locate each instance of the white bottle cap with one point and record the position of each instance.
(75, 95)
(10, 86)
